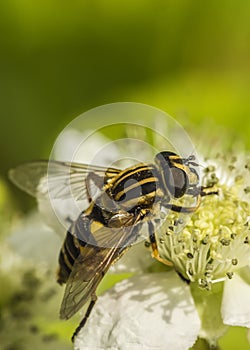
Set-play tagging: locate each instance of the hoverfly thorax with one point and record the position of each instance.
(175, 172)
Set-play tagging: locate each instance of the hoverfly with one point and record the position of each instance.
(102, 233)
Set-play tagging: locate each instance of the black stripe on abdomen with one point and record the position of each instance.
(67, 256)
(77, 236)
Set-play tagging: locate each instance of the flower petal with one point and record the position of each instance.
(244, 273)
(34, 241)
(235, 304)
(150, 311)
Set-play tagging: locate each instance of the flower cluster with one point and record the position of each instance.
(209, 250)
(215, 243)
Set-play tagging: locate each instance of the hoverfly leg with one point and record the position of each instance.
(153, 242)
(197, 192)
(202, 191)
(181, 209)
(207, 191)
(85, 318)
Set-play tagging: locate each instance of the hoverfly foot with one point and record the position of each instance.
(85, 318)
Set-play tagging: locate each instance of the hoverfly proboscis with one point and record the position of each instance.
(111, 223)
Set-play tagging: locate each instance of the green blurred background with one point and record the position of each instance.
(58, 59)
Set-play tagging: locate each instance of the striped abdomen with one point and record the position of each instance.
(76, 238)
(68, 254)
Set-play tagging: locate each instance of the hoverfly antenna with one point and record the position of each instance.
(190, 160)
(193, 163)
(191, 157)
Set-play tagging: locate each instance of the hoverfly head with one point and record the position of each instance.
(176, 173)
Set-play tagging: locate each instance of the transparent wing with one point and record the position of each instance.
(60, 179)
(88, 270)
(92, 264)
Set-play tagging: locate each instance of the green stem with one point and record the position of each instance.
(208, 304)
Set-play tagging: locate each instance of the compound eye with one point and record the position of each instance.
(176, 181)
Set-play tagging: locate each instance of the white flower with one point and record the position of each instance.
(149, 311)
(212, 252)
